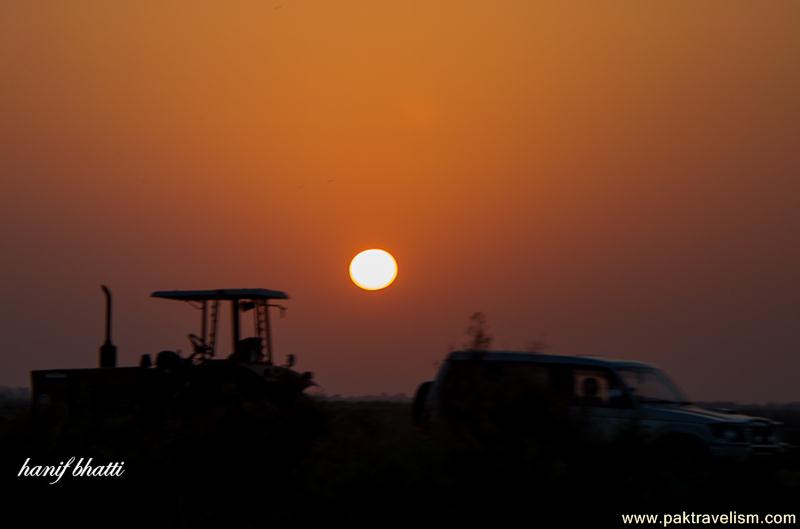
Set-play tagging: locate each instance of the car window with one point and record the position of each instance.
(465, 377)
(652, 386)
(472, 385)
(469, 385)
(594, 387)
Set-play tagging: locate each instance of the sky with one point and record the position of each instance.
(617, 178)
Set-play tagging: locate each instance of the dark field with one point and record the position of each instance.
(357, 464)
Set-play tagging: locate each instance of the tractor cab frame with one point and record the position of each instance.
(253, 349)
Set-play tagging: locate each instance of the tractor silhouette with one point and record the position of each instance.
(201, 379)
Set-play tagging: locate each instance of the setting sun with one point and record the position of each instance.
(373, 269)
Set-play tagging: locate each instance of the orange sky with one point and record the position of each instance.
(620, 177)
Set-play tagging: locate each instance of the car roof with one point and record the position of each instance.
(525, 356)
(220, 294)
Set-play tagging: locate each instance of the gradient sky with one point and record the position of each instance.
(619, 177)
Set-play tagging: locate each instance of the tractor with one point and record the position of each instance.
(202, 379)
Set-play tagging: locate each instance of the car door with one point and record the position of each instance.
(601, 409)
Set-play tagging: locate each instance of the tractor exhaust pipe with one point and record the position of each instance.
(108, 351)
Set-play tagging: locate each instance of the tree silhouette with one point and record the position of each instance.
(478, 335)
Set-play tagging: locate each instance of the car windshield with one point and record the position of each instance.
(651, 386)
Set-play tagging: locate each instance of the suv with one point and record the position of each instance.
(608, 398)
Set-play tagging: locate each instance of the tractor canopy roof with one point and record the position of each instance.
(220, 294)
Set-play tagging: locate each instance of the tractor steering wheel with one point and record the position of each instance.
(199, 347)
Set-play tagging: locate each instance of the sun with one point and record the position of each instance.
(373, 269)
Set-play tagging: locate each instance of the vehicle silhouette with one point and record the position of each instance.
(201, 379)
(586, 399)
